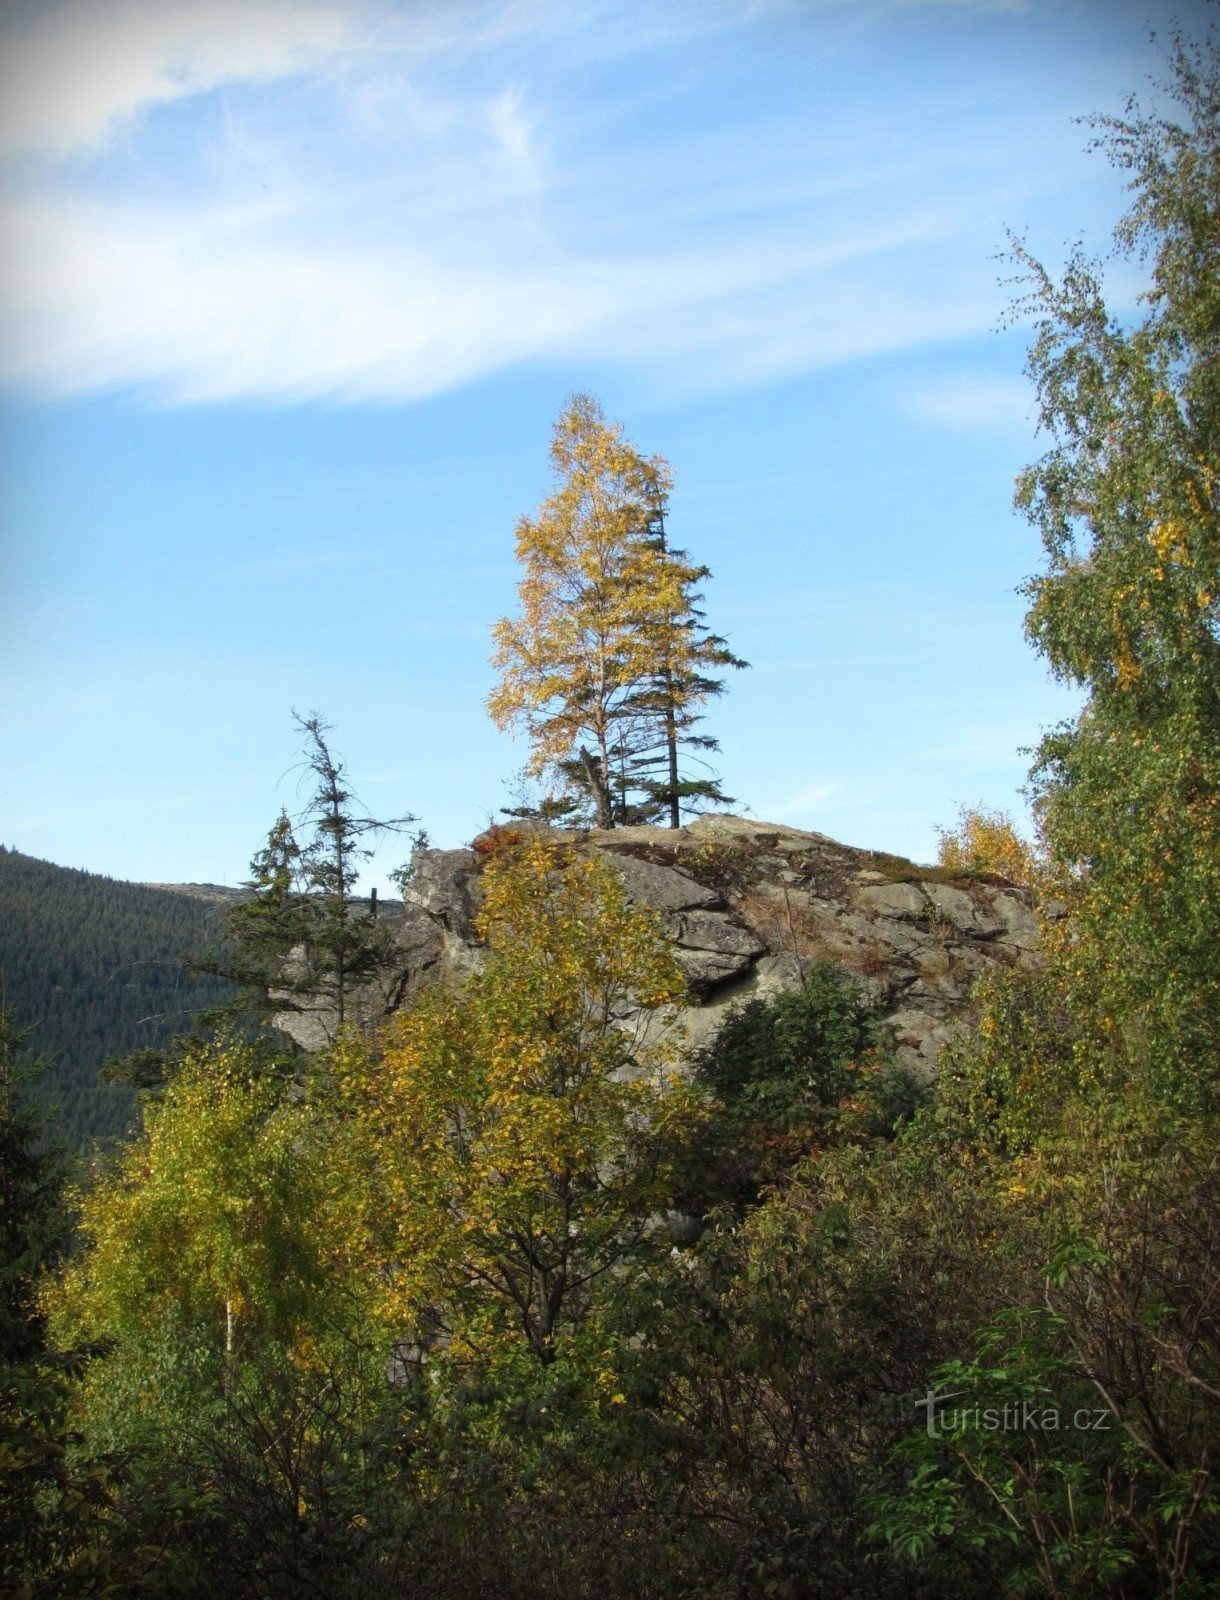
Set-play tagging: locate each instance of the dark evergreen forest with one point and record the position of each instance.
(95, 967)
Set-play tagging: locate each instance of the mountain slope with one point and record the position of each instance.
(95, 966)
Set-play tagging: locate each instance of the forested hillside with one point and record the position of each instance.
(95, 967)
(513, 1293)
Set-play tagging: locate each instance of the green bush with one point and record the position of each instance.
(790, 1075)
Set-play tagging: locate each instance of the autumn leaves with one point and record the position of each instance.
(521, 1139)
(608, 666)
(473, 1178)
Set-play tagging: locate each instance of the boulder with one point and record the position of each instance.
(663, 888)
(748, 906)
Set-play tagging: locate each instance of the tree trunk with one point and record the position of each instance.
(599, 788)
(671, 745)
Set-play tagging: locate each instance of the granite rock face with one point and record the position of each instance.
(748, 905)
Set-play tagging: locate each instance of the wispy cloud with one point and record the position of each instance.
(230, 304)
(74, 73)
(960, 5)
(359, 200)
(215, 311)
(972, 401)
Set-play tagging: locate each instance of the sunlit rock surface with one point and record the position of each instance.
(748, 906)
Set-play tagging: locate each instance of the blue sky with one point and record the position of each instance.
(294, 290)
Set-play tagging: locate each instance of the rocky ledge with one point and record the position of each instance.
(748, 906)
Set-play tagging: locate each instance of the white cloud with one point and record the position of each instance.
(797, 7)
(75, 71)
(961, 5)
(972, 401)
(235, 303)
(211, 313)
(512, 128)
(363, 228)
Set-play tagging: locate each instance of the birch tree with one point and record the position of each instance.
(521, 1136)
(608, 661)
(1127, 607)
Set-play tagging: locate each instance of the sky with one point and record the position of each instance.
(294, 290)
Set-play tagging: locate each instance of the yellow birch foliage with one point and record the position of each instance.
(986, 840)
(570, 662)
(213, 1221)
(608, 643)
(520, 1135)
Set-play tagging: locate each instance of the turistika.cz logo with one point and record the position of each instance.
(1015, 1416)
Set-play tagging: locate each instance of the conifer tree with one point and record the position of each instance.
(608, 664)
(686, 657)
(303, 939)
(33, 1172)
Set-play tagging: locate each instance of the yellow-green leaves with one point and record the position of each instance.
(569, 663)
(1126, 503)
(608, 662)
(212, 1222)
(986, 840)
(521, 1129)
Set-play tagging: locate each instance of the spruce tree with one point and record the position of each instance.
(33, 1172)
(687, 658)
(303, 940)
(608, 665)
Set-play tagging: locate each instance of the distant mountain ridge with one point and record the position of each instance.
(217, 894)
(96, 966)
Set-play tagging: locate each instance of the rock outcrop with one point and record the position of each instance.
(747, 906)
